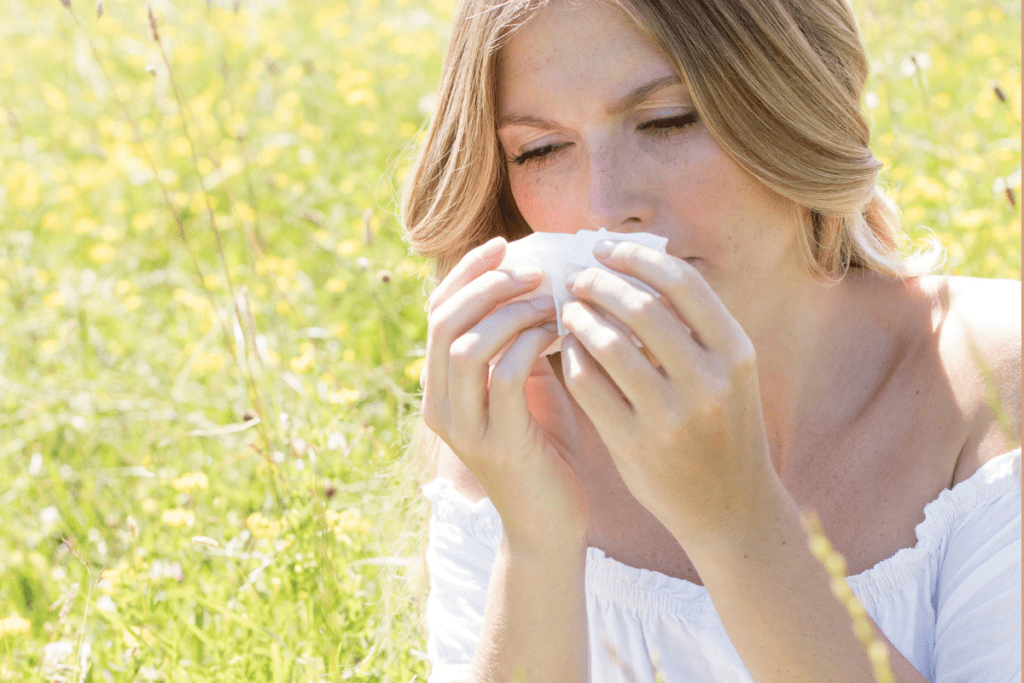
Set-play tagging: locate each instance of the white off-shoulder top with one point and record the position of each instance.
(951, 604)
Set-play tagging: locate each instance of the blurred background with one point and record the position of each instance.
(211, 332)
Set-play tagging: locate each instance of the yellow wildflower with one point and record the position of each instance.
(348, 247)
(51, 221)
(343, 397)
(53, 300)
(13, 625)
(178, 517)
(262, 527)
(85, 225)
(414, 369)
(101, 253)
(301, 363)
(926, 188)
(348, 520)
(208, 362)
(973, 219)
(55, 99)
(143, 221)
(108, 580)
(245, 212)
(191, 481)
(205, 166)
(360, 96)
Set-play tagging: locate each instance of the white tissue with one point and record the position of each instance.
(560, 256)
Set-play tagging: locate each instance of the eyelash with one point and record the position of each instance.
(660, 128)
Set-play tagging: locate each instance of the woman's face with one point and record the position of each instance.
(599, 132)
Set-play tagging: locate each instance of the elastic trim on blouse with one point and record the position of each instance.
(994, 479)
(643, 589)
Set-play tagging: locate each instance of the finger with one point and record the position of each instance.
(596, 394)
(469, 364)
(684, 287)
(626, 366)
(474, 264)
(650, 318)
(509, 376)
(453, 318)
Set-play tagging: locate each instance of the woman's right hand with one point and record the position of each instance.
(483, 414)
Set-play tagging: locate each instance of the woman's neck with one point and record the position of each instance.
(822, 352)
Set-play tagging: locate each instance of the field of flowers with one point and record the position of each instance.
(212, 331)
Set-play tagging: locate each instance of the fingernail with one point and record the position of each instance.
(526, 273)
(543, 304)
(603, 248)
(551, 326)
(570, 281)
(491, 247)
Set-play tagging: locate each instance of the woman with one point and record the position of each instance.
(643, 508)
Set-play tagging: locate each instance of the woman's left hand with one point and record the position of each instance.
(688, 437)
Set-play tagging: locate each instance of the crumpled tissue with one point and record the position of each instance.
(560, 256)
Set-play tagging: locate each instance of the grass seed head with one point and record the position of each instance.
(152, 23)
(69, 600)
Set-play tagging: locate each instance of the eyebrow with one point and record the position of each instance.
(625, 103)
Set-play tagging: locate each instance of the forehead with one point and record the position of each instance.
(570, 48)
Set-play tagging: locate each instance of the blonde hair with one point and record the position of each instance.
(777, 82)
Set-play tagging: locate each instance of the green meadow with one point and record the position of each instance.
(211, 331)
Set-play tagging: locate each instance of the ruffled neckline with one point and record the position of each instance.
(649, 589)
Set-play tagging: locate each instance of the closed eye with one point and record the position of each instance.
(670, 125)
(537, 154)
(658, 128)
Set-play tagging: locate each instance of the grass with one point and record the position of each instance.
(212, 331)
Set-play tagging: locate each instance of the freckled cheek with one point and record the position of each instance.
(546, 201)
(707, 196)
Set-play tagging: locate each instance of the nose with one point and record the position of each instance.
(619, 199)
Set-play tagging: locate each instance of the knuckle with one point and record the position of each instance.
(718, 398)
(434, 420)
(678, 271)
(745, 357)
(464, 350)
(586, 279)
(673, 416)
(708, 408)
(641, 306)
(626, 249)
(503, 376)
(574, 379)
(495, 277)
(605, 344)
(574, 382)
(439, 328)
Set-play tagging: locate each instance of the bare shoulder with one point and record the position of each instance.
(979, 326)
(446, 464)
